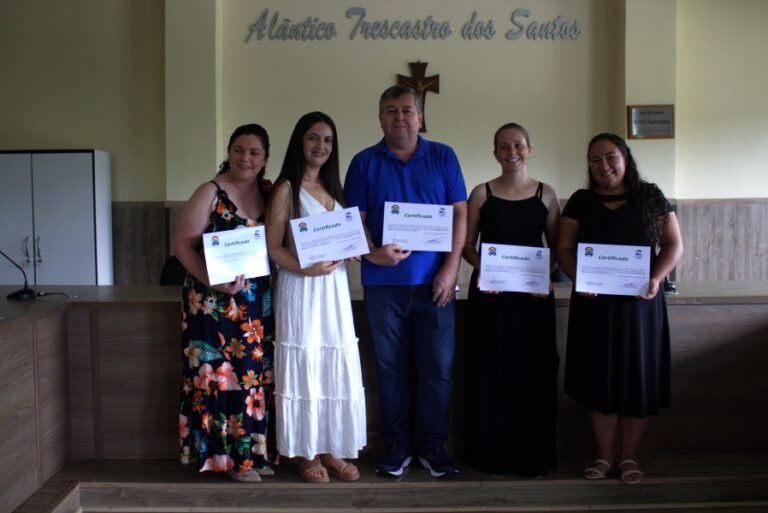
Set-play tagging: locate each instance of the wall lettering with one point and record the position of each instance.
(271, 27)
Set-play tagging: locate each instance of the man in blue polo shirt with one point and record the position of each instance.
(409, 296)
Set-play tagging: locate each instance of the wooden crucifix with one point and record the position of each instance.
(421, 84)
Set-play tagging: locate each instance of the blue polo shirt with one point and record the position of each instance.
(375, 175)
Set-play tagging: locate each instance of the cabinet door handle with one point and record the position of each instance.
(25, 250)
(38, 254)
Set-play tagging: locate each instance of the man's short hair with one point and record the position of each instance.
(396, 91)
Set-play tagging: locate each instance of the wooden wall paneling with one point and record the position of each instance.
(724, 240)
(140, 242)
(574, 431)
(719, 359)
(368, 369)
(174, 209)
(81, 382)
(20, 473)
(690, 264)
(753, 227)
(52, 392)
(139, 380)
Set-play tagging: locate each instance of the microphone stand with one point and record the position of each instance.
(26, 292)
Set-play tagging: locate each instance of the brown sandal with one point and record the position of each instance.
(339, 468)
(312, 471)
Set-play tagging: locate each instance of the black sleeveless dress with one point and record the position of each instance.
(512, 356)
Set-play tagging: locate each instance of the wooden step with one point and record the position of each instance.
(725, 483)
(455, 496)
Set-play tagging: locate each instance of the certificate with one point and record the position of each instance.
(613, 269)
(230, 253)
(418, 227)
(514, 268)
(329, 236)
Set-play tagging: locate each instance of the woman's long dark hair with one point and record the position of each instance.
(646, 195)
(261, 133)
(294, 163)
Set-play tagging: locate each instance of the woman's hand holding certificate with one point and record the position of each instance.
(613, 269)
(507, 268)
(231, 253)
(329, 237)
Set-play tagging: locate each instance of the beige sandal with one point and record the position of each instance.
(265, 471)
(339, 468)
(311, 471)
(631, 476)
(249, 476)
(599, 470)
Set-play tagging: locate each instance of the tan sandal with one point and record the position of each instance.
(633, 475)
(339, 468)
(312, 471)
(599, 470)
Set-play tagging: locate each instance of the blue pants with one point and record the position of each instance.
(406, 324)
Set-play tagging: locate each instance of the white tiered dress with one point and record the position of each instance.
(319, 396)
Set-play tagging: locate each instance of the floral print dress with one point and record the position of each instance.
(226, 418)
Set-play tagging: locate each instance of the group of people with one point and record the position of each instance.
(268, 378)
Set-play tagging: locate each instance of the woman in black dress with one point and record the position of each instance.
(512, 351)
(618, 350)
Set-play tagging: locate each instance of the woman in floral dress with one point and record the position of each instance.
(226, 420)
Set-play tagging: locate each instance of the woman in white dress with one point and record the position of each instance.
(319, 396)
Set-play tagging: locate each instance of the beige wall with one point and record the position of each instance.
(562, 91)
(192, 94)
(722, 107)
(650, 77)
(92, 73)
(87, 74)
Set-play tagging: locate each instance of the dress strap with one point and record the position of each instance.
(222, 196)
(540, 190)
(488, 193)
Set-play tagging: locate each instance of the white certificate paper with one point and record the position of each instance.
(230, 253)
(514, 268)
(613, 269)
(418, 227)
(329, 236)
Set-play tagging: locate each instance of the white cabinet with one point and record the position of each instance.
(56, 217)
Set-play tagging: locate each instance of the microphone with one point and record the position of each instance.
(26, 292)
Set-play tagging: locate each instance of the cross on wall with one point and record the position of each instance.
(422, 84)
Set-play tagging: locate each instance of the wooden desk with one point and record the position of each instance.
(97, 376)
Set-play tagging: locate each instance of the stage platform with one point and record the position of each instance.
(712, 483)
(90, 400)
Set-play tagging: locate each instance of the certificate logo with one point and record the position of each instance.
(395, 209)
(638, 254)
(539, 254)
(441, 212)
(302, 227)
(215, 240)
(256, 235)
(492, 251)
(588, 251)
(348, 217)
